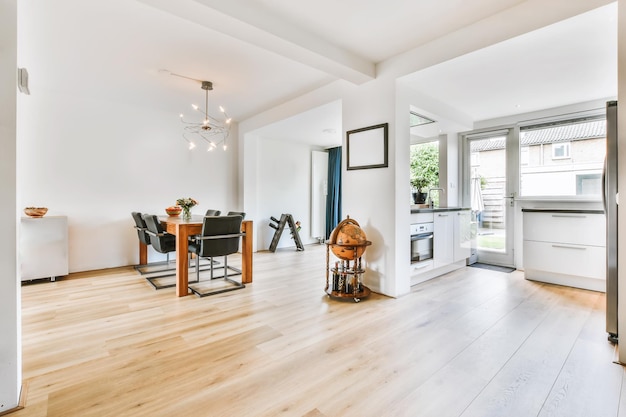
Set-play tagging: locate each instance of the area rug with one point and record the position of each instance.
(493, 267)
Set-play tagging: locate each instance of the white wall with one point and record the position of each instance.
(98, 151)
(284, 186)
(10, 294)
(97, 161)
(371, 196)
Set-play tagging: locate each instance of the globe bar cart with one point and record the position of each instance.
(347, 242)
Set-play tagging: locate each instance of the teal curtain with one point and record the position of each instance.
(333, 198)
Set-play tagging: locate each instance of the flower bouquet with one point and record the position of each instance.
(186, 204)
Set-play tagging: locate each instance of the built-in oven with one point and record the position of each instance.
(421, 241)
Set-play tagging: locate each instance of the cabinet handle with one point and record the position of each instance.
(442, 215)
(578, 216)
(569, 247)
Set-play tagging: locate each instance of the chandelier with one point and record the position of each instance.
(212, 130)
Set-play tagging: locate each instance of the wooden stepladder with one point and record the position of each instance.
(279, 225)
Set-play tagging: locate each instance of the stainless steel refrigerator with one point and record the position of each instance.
(609, 178)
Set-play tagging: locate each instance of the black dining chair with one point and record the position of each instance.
(162, 242)
(209, 212)
(140, 226)
(220, 237)
(240, 213)
(142, 234)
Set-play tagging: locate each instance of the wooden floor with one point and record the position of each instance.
(471, 343)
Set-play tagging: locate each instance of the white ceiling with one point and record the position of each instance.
(262, 53)
(572, 61)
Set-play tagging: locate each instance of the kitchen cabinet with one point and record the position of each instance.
(443, 244)
(43, 247)
(565, 247)
(451, 242)
(452, 237)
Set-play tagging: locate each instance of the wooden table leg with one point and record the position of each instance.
(246, 252)
(182, 261)
(143, 253)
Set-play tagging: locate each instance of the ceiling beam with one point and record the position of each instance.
(509, 23)
(246, 21)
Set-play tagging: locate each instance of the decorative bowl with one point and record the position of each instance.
(173, 210)
(35, 211)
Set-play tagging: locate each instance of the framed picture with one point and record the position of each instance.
(367, 147)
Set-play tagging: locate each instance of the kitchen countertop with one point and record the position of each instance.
(415, 208)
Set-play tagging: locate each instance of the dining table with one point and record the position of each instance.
(185, 228)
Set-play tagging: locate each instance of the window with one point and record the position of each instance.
(560, 150)
(425, 166)
(563, 159)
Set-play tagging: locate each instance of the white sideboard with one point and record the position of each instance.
(565, 247)
(43, 247)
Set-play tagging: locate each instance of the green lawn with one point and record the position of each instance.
(490, 241)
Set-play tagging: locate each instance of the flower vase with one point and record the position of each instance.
(186, 214)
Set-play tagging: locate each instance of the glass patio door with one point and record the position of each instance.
(489, 178)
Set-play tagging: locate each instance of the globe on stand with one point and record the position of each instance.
(350, 240)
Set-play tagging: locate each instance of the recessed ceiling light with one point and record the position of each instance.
(329, 131)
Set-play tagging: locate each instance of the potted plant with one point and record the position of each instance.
(419, 185)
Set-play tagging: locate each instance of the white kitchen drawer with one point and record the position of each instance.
(422, 217)
(421, 267)
(566, 259)
(577, 228)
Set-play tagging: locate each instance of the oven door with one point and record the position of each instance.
(421, 247)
